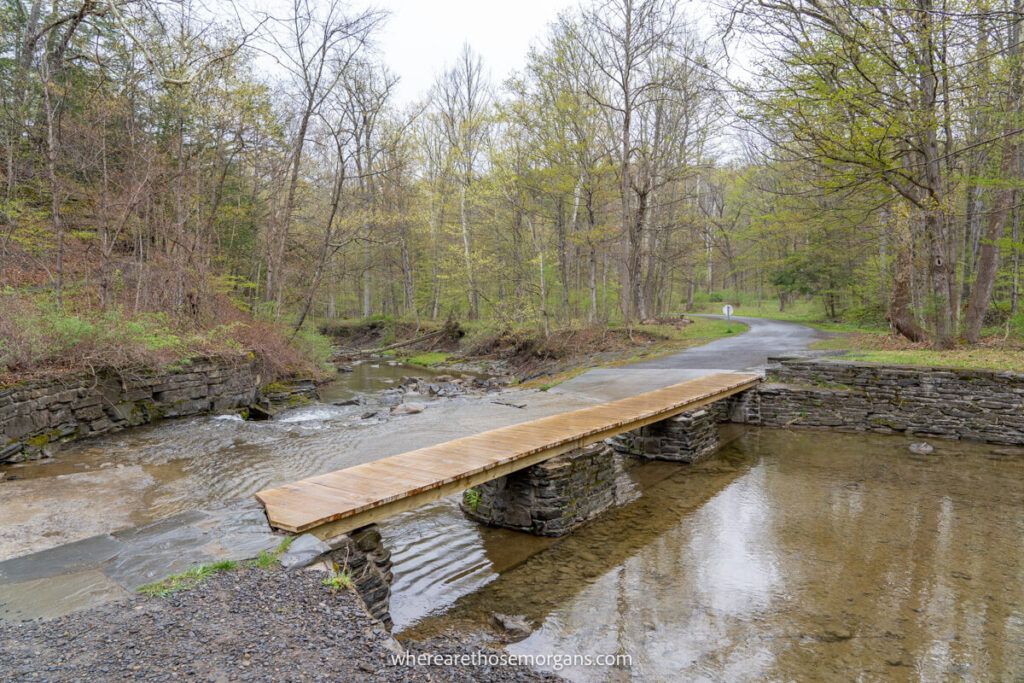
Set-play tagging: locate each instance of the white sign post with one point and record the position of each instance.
(727, 311)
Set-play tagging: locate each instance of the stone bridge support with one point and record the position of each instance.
(556, 496)
(688, 437)
(363, 557)
(550, 498)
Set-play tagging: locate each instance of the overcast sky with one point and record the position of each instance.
(423, 36)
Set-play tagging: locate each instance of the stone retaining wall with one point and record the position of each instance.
(980, 405)
(550, 498)
(36, 415)
(688, 437)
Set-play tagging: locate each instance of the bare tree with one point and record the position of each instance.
(316, 44)
(624, 40)
(462, 100)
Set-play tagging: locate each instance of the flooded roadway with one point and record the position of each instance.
(793, 554)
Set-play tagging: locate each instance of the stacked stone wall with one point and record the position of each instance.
(363, 557)
(688, 437)
(34, 416)
(979, 405)
(551, 498)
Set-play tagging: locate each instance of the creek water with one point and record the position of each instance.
(149, 473)
(790, 555)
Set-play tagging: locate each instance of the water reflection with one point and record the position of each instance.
(794, 555)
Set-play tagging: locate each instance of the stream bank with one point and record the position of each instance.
(40, 415)
(521, 354)
(251, 624)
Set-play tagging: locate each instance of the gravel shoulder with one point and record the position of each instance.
(249, 624)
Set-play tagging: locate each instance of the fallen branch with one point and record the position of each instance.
(510, 405)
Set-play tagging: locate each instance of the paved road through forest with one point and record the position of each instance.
(747, 351)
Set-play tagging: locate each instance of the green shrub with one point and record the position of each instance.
(317, 347)
(1017, 324)
(338, 581)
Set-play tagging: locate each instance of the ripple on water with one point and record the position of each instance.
(794, 555)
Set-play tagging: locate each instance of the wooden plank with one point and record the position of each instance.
(347, 499)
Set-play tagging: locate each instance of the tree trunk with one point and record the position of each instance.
(988, 260)
(472, 295)
(901, 315)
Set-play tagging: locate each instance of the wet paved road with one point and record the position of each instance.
(747, 351)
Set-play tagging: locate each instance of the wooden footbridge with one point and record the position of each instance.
(334, 503)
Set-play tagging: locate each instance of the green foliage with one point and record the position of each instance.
(317, 347)
(268, 559)
(471, 498)
(189, 578)
(1016, 324)
(236, 287)
(427, 359)
(339, 580)
(265, 560)
(283, 546)
(969, 358)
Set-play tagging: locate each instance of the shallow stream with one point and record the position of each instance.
(792, 554)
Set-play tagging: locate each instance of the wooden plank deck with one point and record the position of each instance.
(336, 502)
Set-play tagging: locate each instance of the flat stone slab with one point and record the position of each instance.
(48, 598)
(64, 559)
(303, 552)
(111, 566)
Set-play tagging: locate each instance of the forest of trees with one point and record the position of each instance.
(158, 159)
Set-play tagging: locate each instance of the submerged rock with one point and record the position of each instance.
(921, 448)
(515, 627)
(407, 409)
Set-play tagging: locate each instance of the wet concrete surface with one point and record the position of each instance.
(749, 350)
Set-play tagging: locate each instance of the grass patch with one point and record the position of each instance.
(992, 354)
(283, 546)
(803, 311)
(268, 559)
(265, 560)
(700, 331)
(427, 359)
(190, 578)
(338, 581)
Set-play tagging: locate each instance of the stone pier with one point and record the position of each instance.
(550, 498)
(362, 556)
(689, 437)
